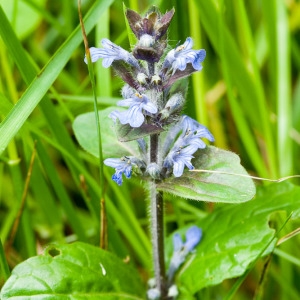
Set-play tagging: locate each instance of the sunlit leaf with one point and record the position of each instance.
(76, 271)
(212, 187)
(234, 236)
(86, 133)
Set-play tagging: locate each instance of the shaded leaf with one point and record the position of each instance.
(233, 237)
(179, 75)
(126, 72)
(127, 133)
(85, 131)
(77, 271)
(212, 187)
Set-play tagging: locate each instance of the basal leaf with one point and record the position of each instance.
(85, 130)
(75, 271)
(233, 237)
(212, 187)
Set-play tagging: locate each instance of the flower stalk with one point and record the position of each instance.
(157, 232)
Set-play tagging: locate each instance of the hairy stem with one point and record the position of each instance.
(157, 225)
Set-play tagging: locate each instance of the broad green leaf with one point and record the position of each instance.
(234, 236)
(75, 271)
(212, 187)
(85, 130)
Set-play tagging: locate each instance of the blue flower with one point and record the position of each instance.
(134, 116)
(181, 250)
(192, 132)
(111, 52)
(186, 144)
(122, 166)
(179, 157)
(179, 57)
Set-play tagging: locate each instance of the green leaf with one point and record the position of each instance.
(212, 187)
(76, 271)
(234, 236)
(127, 133)
(85, 130)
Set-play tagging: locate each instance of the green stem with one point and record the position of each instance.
(157, 225)
(4, 268)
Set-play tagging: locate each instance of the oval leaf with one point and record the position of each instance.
(85, 131)
(76, 271)
(212, 187)
(234, 236)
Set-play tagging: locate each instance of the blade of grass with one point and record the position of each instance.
(197, 77)
(127, 230)
(103, 225)
(283, 83)
(18, 218)
(251, 96)
(294, 260)
(60, 191)
(242, 124)
(46, 200)
(279, 61)
(5, 272)
(103, 75)
(48, 17)
(28, 72)
(40, 85)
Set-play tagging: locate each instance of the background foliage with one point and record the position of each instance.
(248, 95)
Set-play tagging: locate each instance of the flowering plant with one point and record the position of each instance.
(169, 143)
(146, 145)
(146, 136)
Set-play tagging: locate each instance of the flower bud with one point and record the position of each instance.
(150, 31)
(153, 170)
(174, 103)
(154, 23)
(156, 80)
(142, 78)
(146, 40)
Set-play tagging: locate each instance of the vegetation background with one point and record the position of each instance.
(248, 95)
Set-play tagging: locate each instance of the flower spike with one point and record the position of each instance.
(181, 250)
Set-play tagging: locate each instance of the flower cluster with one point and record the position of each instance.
(181, 250)
(152, 106)
(180, 253)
